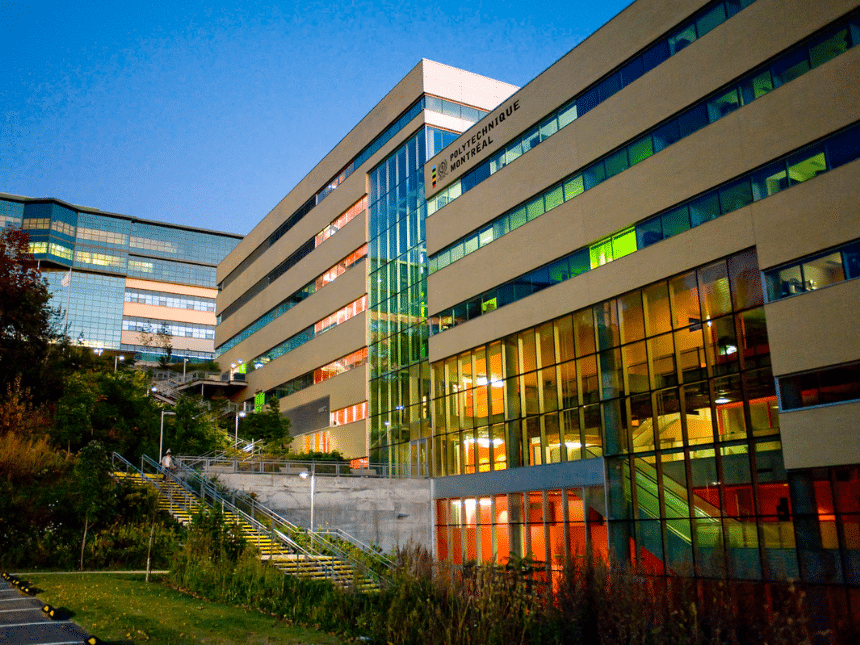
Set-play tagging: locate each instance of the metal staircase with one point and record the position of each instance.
(290, 548)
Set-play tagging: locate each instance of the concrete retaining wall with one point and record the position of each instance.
(386, 512)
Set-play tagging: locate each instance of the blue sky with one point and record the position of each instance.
(207, 114)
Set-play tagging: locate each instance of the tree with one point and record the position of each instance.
(268, 425)
(195, 429)
(28, 324)
(95, 492)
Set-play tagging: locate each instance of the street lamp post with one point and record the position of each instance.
(236, 438)
(304, 475)
(184, 363)
(118, 358)
(161, 434)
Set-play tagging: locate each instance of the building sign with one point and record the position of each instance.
(464, 151)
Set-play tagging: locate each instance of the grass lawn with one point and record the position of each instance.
(124, 609)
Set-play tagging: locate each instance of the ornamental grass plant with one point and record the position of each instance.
(588, 602)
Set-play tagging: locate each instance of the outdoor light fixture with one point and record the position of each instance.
(161, 434)
(304, 475)
(118, 357)
(238, 415)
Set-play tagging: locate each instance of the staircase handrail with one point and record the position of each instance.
(210, 496)
(380, 557)
(316, 537)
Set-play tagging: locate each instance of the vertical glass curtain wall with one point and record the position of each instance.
(671, 384)
(399, 371)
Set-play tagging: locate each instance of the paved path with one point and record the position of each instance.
(22, 622)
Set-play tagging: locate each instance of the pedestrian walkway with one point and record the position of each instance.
(22, 621)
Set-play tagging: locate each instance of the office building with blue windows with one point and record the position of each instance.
(616, 308)
(118, 280)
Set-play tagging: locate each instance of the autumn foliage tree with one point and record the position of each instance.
(27, 322)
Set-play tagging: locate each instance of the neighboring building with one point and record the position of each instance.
(115, 276)
(295, 311)
(642, 304)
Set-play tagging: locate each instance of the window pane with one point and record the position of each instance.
(676, 221)
(593, 175)
(769, 180)
(723, 105)
(704, 209)
(805, 165)
(711, 19)
(693, 120)
(641, 150)
(840, 384)
(548, 128)
(745, 280)
(554, 198)
(823, 271)
(666, 135)
(535, 208)
(584, 324)
(851, 260)
(682, 38)
(790, 67)
(844, 148)
(616, 163)
(715, 294)
(567, 115)
(735, 196)
(661, 351)
(649, 232)
(579, 262)
(623, 243)
(632, 317)
(632, 71)
(587, 101)
(830, 47)
(517, 218)
(685, 300)
(636, 367)
(657, 312)
(601, 253)
(573, 187)
(655, 55)
(757, 86)
(799, 391)
(609, 87)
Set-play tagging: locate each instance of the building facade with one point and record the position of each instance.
(643, 302)
(324, 303)
(618, 312)
(119, 280)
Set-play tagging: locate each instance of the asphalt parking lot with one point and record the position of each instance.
(22, 621)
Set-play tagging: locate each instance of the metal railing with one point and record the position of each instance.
(194, 490)
(260, 465)
(318, 542)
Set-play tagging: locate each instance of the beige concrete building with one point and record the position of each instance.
(296, 314)
(635, 324)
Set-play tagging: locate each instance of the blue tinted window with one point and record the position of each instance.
(655, 56)
(693, 120)
(736, 196)
(632, 71)
(666, 135)
(587, 101)
(704, 209)
(649, 232)
(609, 87)
(844, 147)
